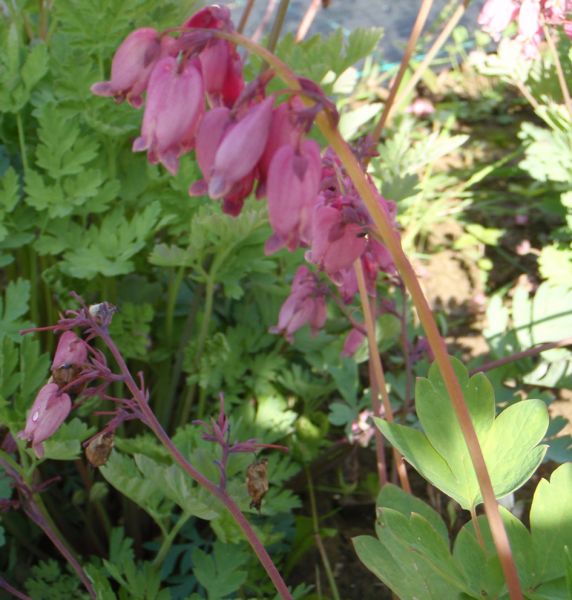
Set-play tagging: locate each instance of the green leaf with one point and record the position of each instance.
(9, 190)
(12, 307)
(551, 523)
(35, 65)
(509, 443)
(131, 328)
(392, 496)
(65, 444)
(122, 473)
(220, 572)
(410, 557)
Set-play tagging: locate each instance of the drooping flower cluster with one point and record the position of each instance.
(248, 141)
(529, 17)
(53, 403)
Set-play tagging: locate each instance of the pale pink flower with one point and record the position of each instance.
(530, 27)
(174, 107)
(293, 184)
(338, 235)
(352, 342)
(363, 428)
(496, 16)
(70, 352)
(49, 411)
(131, 67)
(306, 304)
(240, 149)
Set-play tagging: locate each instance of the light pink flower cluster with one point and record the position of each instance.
(529, 16)
(53, 404)
(246, 141)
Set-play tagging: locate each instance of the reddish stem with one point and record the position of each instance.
(153, 423)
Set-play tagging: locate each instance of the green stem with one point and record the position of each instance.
(169, 539)
(277, 25)
(559, 71)
(201, 339)
(318, 537)
(173, 293)
(22, 142)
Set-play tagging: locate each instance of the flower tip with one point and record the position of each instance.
(140, 144)
(217, 187)
(102, 88)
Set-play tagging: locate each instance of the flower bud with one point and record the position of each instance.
(293, 184)
(131, 67)
(173, 110)
(69, 359)
(240, 149)
(49, 411)
(306, 304)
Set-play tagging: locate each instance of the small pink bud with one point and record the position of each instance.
(49, 411)
(353, 341)
(173, 110)
(71, 351)
(337, 236)
(293, 185)
(240, 149)
(131, 67)
(305, 305)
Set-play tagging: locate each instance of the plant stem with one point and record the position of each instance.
(379, 376)
(36, 510)
(172, 293)
(169, 539)
(6, 586)
(22, 142)
(307, 20)
(391, 240)
(379, 445)
(245, 15)
(151, 421)
(526, 93)
(201, 339)
(406, 355)
(559, 71)
(475, 521)
(432, 53)
(318, 537)
(415, 33)
(494, 364)
(277, 25)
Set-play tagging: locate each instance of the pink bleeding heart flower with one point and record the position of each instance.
(240, 149)
(282, 132)
(529, 19)
(49, 411)
(132, 66)
(293, 184)
(221, 67)
(496, 16)
(71, 351)
(211, 17)
(173, 110)
(306, 304)
(338, 235)
(352, 342)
